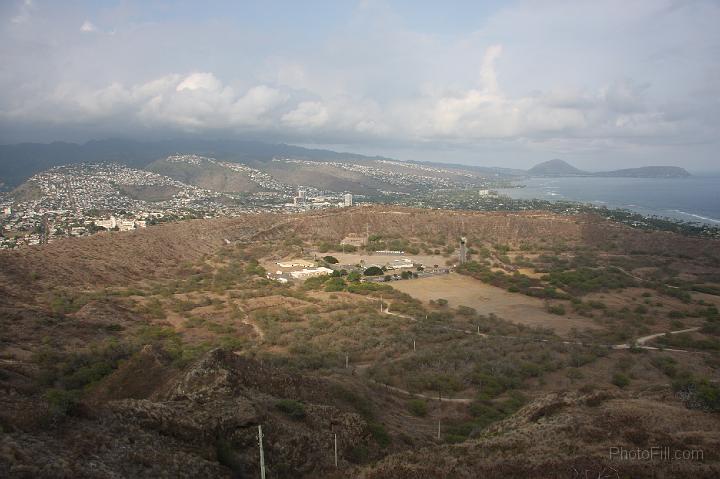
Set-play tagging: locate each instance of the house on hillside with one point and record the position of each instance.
(306, 273)
(295, 263)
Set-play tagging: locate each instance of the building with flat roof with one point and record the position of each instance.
(306, 273)
(295, 263)
(400, 263)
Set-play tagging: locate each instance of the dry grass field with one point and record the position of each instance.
(517, 308)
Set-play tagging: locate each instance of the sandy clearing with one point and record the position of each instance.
(486, 299)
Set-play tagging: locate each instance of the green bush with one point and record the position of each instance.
(330, 259)
(62, 401)
(374, 271)
(620, 380)
(379, 434)
(335, 284)
(293, 409)
(417, 407)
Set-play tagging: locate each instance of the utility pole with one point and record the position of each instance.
(262, 454)
(347, 361)
(336, 457)
(438, 437)
(381, 304)
(413, 345)
(478, 330)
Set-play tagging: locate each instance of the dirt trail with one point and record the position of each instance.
(246, 320)
(640, 342)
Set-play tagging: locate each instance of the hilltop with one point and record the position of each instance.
(555, 168)
(563, 168)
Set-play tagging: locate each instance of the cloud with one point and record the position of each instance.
(26, 8)
(88, 27)
(308, 114)
(199, 81)
(528, 77)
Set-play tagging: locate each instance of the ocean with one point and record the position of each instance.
(696, 198)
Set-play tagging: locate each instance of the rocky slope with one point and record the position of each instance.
(201, 423)
(571, 435)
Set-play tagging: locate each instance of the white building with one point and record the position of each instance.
(484, 192)
(126, 225)
(294, 263)
(400, 263)
(348, 199)
(107, 224)
(306, 273)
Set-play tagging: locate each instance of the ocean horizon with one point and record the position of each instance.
(695, 198)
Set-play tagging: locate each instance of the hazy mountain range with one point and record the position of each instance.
(20, 161)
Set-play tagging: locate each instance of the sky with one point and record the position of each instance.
(601, 84)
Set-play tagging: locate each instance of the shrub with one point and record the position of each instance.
(666, 364)
(335, 284)
(330, 259)
(227, 456)
(373, 271)
(293, 409)
(700, 393)
(558, 309)
(417, 407)
(62, 401)
(466, 311)
(620, 380)
(379, 434)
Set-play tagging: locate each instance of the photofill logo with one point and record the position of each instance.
(656, 453)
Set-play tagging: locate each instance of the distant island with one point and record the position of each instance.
(563, 168)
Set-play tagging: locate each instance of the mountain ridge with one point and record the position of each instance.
(560, 168)
(19, 162)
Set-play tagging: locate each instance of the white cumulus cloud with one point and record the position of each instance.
(88, 27)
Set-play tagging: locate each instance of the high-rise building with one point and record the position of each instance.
(348, 199)
(300, 198)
